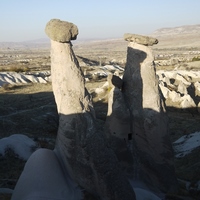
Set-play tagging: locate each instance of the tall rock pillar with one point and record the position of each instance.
(80, 147)
(137, 124)
(149, 123)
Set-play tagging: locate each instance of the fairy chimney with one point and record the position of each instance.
(80, 147)
(141, 127)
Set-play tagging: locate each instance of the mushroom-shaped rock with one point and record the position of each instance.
(137, 124)
(80, 146)
(140, 39)
(61, 31)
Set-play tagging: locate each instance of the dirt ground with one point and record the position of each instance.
(31, 110)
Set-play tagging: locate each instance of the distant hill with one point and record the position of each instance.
(178, 37)
(180, 30)
(182, 37)
(187, 36)
(42, 43)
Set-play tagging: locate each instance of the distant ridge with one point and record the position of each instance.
(187, 36)
(170, 37)
(40, 40)
(38, 43)
(187, 29)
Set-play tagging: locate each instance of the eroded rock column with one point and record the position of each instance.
(146, 133)
(80, 147)
(149, 120)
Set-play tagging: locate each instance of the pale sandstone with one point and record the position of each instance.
(80, 147)
(61, 31)
(137, 119)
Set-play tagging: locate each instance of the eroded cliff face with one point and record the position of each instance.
(135, 144)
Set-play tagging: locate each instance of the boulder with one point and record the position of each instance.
(166, 80)
(140, 39)
(21, 145)
(44, 178)
(165, 91)
(178, 87)
(170, 74)
(181, 79)
(182, 89)
(197, 88)
(187, 102)
(198, 107)
(175, 97)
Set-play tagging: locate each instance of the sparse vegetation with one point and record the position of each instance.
(15, 69)
(196, 59)
(10, 87)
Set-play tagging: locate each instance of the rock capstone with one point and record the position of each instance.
(140, 39)
(61, 31)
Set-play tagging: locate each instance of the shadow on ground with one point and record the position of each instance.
(35, 115)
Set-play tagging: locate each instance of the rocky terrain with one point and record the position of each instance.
(27, 94)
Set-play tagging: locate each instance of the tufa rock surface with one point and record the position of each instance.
(80, 147)
(140, 39)
(151, 141)
(61, 31)
(137, 124)
(135, 147)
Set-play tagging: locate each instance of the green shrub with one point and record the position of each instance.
(18, 69)
(195, 59)
(14, 69)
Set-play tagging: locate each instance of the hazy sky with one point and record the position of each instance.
(22, 20)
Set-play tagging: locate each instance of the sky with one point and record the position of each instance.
(22, 20)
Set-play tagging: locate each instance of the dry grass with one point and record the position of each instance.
(28, 88)
(18, 68)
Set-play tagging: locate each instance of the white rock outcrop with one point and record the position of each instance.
(197, 88)
(180, 88)
(21, 78)
(21, 145)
